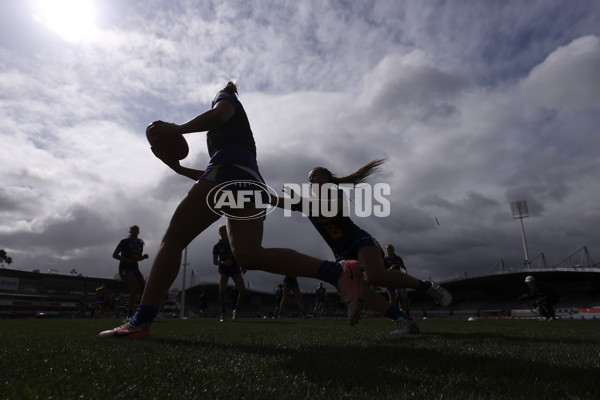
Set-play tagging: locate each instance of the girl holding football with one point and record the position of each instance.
(232, 150)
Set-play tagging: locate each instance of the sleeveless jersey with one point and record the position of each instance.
(236, 131)
(389, 261)
(130, 247)
(223, 252)
(340, 232)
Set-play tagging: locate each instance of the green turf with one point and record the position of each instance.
(301, 359)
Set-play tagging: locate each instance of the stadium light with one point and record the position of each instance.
(520, 211)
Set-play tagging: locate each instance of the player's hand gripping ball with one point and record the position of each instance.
(166, 142)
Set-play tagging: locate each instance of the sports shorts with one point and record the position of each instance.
(233, 163)
(363, 239)
(230, 271)
(126, 268)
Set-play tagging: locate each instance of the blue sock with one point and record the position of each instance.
(424, 285)
(395, 314)
(143, 315)
(330, 272)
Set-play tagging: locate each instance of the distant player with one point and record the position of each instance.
(290, 285)
(129, 252)
(278, 298)
(100, 305)
(81, 307)
(320, 294)
(398, 296)
(204, 302)
(228, 268)
(544, 297)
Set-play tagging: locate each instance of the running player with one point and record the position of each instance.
(232, 150)
(348, 241)
(228, 268)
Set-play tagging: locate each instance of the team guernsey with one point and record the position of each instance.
(231, 147)
(395, 260)
(320, 294)
(278, 294)
(130, 248)
(223, 252)
(341, 234)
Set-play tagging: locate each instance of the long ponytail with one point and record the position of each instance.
(358, 176)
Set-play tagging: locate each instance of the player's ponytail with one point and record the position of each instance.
(231, 88)
(358, 176)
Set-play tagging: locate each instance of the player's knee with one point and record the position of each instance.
(375, 279)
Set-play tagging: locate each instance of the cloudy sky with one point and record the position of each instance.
(475, 104)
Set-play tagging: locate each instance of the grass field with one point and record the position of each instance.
(301, 359)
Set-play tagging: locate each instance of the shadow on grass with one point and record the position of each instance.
(509, 340)
(451, 362)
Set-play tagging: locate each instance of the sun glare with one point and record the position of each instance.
(73, 20)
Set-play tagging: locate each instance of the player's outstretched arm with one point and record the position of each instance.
(191, 173)
(211, 119)
(283, 202)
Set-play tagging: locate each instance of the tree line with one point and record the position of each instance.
(4, 258)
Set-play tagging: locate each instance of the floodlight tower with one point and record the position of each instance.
(520, 211)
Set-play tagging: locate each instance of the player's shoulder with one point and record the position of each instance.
(222, 95)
